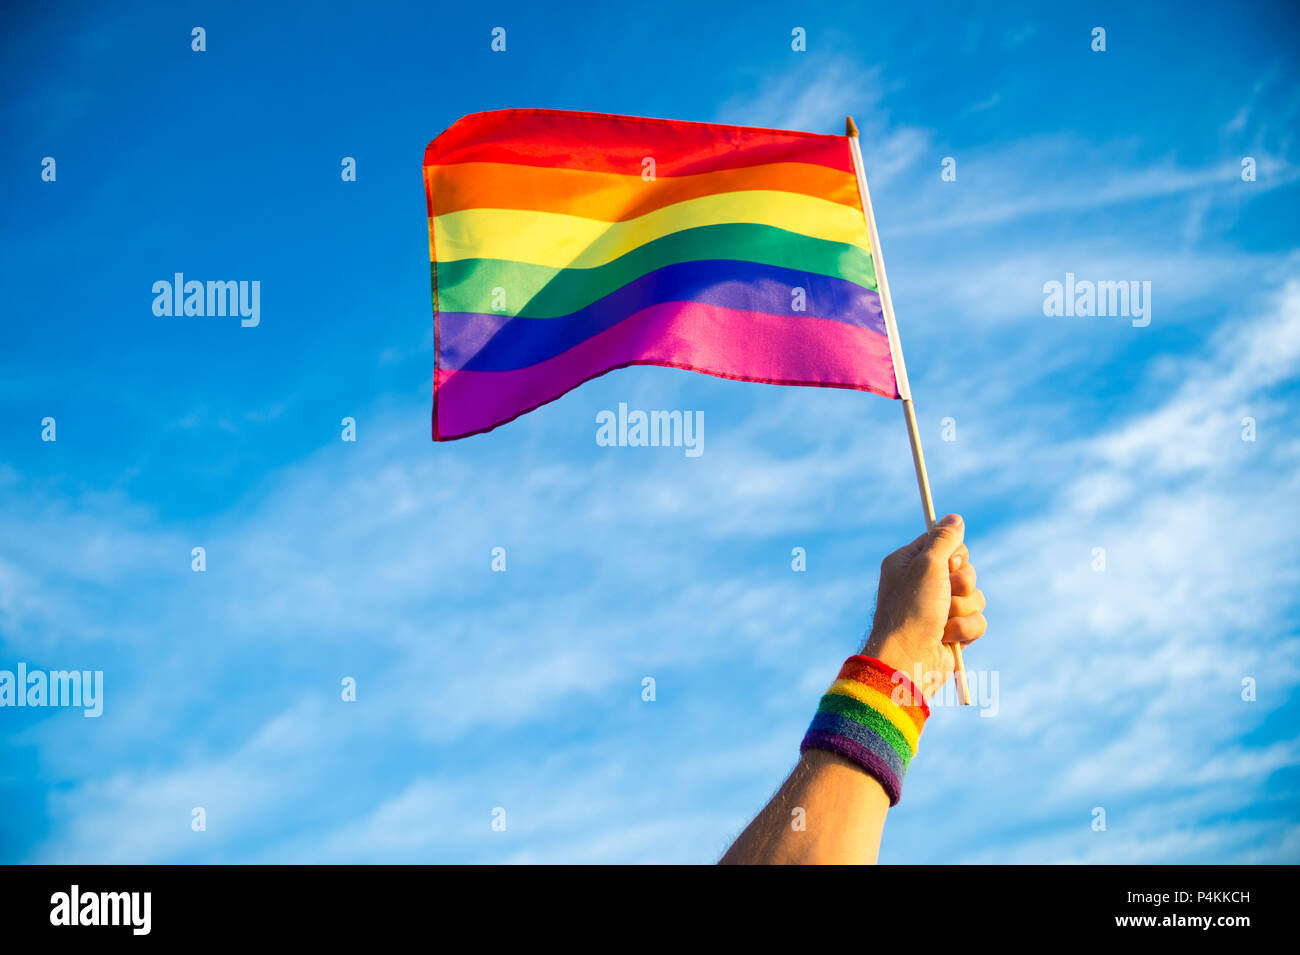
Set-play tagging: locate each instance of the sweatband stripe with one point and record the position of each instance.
(881, 703)
(861, 713)
(898, 693)
(856, 667)
(859, 754)
(825, 722)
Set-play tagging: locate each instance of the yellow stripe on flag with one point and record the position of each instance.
(566, 241)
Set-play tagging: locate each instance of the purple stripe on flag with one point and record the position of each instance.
(727, 343)
(488, 342)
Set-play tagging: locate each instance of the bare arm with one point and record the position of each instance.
(830, 810)
(841, 809)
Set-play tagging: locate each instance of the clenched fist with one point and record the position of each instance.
(926, 601)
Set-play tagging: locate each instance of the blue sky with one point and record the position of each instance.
(1119, 689)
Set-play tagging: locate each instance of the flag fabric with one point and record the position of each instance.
(565, 245)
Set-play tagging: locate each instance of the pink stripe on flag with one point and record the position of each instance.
(750, 346)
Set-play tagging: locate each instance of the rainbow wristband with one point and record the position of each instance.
(871, 715)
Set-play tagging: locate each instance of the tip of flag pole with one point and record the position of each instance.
(850, 127)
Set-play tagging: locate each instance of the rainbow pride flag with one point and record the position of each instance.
(565, 245)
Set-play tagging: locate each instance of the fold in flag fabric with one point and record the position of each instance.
(565, 245)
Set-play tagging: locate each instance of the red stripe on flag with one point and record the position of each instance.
(606, 143)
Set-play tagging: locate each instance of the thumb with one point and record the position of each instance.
(946, 537)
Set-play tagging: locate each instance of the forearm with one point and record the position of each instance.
(829, 811)
(868, 724)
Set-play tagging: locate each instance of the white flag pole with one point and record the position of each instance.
(900, 373)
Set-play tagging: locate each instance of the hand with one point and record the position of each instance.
(926, 601)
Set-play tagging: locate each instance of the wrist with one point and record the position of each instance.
(891, 650)
(871, 716)
(924, 660)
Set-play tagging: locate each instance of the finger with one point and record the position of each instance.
(962, 581)
(959, 557)
(965, 606)
(946, 538)
(965, 629)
